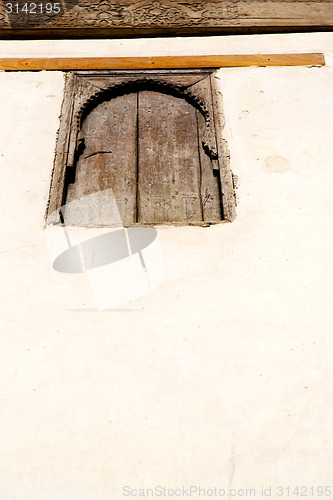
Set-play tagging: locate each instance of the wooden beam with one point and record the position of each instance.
(128, 18)
(160, 62)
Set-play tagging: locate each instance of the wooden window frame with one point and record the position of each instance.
(80, 96)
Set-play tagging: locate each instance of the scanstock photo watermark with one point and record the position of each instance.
(215, 491)
(187, 491)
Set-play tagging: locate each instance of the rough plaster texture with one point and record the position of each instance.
(222, 375)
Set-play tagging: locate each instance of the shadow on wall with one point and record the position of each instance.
(121, 263)
(105, 249)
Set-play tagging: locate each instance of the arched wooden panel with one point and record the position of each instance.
(169, 161)
(108, 162)
(146, 150)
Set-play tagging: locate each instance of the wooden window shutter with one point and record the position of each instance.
(142, 149)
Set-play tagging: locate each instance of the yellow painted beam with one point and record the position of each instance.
(159, 62)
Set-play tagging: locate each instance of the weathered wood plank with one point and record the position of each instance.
(107, 168)
(226, 178)
(161, 62)
(209, 185)
(60, 161)
(169, 166)
(111, 18)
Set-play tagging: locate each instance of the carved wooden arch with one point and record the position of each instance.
(126, 87)
(84, 90)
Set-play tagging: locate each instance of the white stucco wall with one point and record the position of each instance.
(222, 375)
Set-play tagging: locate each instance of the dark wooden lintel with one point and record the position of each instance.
(131, 33)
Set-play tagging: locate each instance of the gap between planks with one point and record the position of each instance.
(160, 62)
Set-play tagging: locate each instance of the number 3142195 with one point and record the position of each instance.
(33, 8)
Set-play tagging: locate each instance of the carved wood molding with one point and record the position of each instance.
(108, 18)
